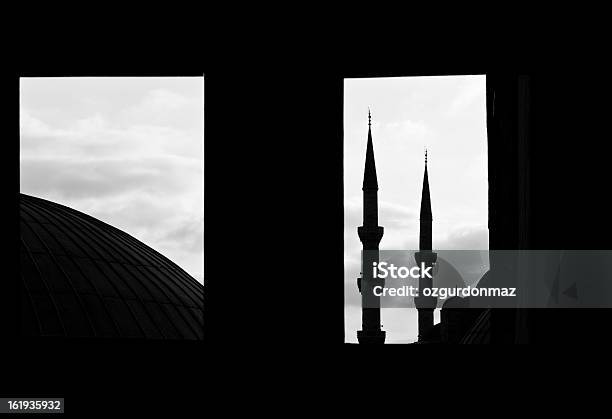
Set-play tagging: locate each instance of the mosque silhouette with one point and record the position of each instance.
(458, 324)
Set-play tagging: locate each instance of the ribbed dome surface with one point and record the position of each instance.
(84, 278)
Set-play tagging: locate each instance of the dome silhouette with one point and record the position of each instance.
(81, 277)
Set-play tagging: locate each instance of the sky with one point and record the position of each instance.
(128, 151)
(446, 114)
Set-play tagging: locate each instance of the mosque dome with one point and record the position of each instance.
(81, 277)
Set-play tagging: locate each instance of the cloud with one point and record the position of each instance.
(404, 133)
(397, 216)
(390, 215)
(30, 126)
(188, 234)
(162, 107)
(137, 166)
(465, 237)
(70, 178)
(95, 137)
(472, 90)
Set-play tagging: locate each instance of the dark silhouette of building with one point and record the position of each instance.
(425, 304)
(81, 277)
(458, 322)
(370, 234)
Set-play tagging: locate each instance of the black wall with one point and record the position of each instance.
(548, 180)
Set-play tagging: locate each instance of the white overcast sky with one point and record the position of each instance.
(448, 116)
(128, 151)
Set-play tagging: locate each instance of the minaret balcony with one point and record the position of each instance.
(426, 256)
(370, 235)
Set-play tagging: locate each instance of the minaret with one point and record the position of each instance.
(370, 234)
(425, 305)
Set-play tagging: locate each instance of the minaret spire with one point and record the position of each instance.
(426, 217)
(425, 304)
(370, 181)
(370, 234)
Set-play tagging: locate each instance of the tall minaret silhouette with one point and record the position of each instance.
(370, 234)
(425, 305)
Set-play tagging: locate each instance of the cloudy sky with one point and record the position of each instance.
(446, 114)
(128, 151)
